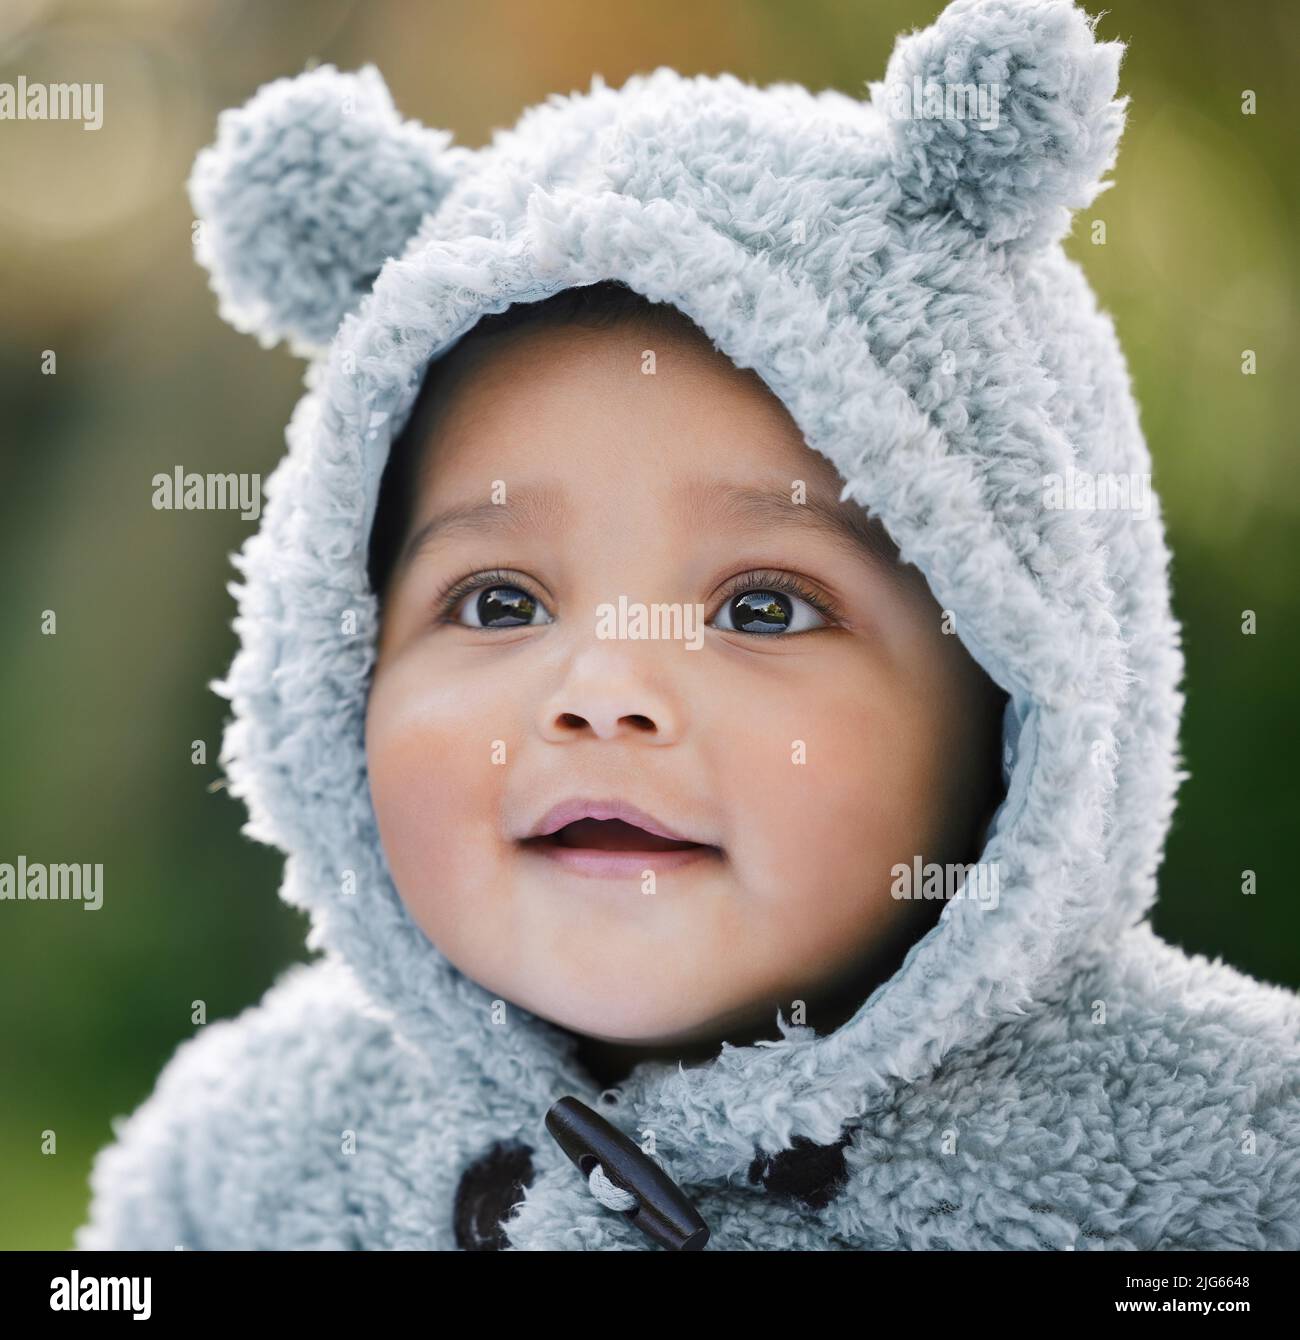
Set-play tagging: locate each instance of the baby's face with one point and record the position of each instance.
(817, 729)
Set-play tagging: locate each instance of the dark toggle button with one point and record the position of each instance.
(664, 1212)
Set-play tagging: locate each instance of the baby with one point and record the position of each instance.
(828, 730)
(637, 932)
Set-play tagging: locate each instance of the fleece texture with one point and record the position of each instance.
(1046, 1074)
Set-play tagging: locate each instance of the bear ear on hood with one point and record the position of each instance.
(309, 188)
(1014, 176)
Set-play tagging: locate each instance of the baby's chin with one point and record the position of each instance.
(661, 1011)
(596, 1004)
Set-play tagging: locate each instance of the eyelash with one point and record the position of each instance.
(451, 596)
(763, 579)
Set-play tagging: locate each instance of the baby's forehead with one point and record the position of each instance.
(662, 371)
(510, 451)
(646, 342)
(502, 403)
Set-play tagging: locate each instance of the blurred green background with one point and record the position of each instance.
(96, 260)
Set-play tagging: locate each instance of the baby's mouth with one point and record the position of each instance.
(610, 839)
(610, 835)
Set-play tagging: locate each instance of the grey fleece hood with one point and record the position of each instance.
(898, 280)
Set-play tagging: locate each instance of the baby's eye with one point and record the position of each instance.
(499, 606)
(767, 610)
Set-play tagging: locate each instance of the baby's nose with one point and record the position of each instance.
(604, 723)
(601, 699)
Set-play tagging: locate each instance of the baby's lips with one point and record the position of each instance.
(576, 809)
(613, 835)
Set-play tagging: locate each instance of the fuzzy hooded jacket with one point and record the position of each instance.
(1046, 1074)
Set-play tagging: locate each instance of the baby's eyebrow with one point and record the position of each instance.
(708, 502)
(711, 501)
(525, 509)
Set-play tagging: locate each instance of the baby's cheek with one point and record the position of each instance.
(436, 792)
(828, 815)
(821, 788)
